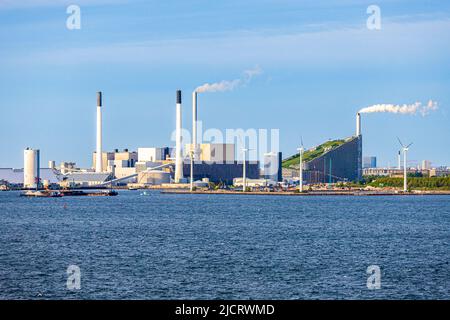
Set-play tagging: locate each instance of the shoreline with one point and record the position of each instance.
(310, 193)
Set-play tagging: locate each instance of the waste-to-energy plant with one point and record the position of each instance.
(212, 162)
(331, 161)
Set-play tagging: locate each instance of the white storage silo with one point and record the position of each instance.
(30, 168)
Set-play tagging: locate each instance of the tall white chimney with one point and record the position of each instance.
(194, 122)
(358, 124)
(98, 155)
(399, 160)
(178, 151)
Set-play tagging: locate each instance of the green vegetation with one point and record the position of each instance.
(311, 154)
(422, 183)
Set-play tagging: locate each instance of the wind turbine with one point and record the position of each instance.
(301, 149)
(405, 174)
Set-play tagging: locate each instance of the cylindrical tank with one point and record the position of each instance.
(51, 164)
(30, 168)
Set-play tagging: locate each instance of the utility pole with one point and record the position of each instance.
(244, 178)
(191, 153)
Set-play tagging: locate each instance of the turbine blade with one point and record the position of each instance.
(400, 142)
(409, 145)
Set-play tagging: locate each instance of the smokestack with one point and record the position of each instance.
(98, 155)
(399, 160)
(194, 121)
(178, 151)
(358, 124)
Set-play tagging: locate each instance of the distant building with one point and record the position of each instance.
(156, 177)
(332, 161)
(342, 163)
(16, 176)
(51, 164)
(369, 162)
(239, 182)
(131, 157)
(154, 154)
(66, 167)
(215, 152)
(222, 172)
(426, 165)
(272, 166)
(85, 179)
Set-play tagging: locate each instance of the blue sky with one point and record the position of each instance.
(321, 64)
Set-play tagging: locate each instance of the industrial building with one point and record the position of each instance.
(16, 176)
(330, 162)
(254, 183)
(125, 158)
(156, 177)
(85, 179)
(273, 166)
(222, 172)
(154, 154)
(369, 162)
(214, 152)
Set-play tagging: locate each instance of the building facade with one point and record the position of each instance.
(343, 163)
(222, 172)
(369, 162)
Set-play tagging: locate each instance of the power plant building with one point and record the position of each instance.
(129, 157)
(222, 172)
(272, 166)
(330, 162)
(337, 164)
(369, 162)
(154, 154)
(215, 152)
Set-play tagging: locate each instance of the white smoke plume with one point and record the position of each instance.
(229, 85)
(403, 109)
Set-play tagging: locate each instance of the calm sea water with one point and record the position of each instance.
(224, 247)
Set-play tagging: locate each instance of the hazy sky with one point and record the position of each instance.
(320, 65)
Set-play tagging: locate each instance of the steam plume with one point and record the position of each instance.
(229, 85)
(403, 109)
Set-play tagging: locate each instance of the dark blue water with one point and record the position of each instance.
(224, 247)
